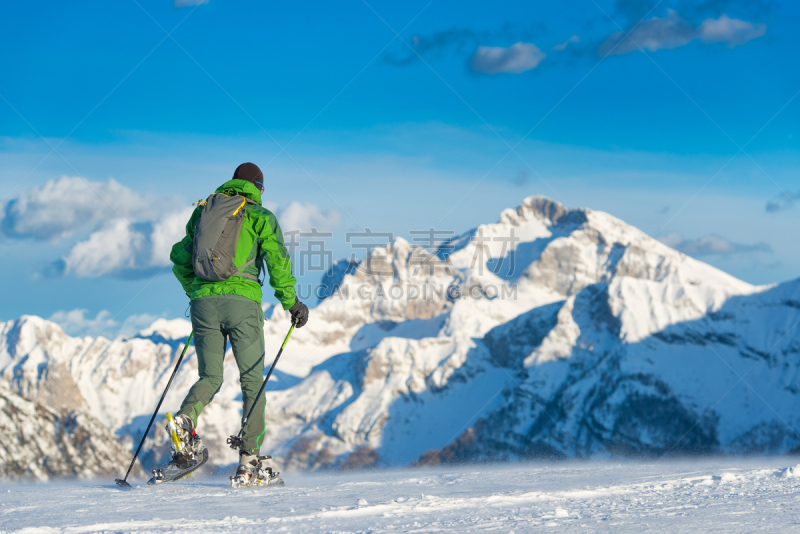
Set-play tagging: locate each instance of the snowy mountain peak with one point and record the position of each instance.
(32, 329)
(32, 338)
(396, 281)
(554, 331)
(544, 209)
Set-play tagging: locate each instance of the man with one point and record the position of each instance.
(231, 308)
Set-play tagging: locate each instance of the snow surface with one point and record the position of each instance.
(708, 495)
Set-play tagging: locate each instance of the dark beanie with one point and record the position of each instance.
(249, 172)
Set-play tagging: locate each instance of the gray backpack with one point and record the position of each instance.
(216, 237)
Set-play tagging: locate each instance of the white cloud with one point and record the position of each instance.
(732, 32)
(672, 31)
(118, 248)
(166, 232)
(123, 233)
(517, 58)
(304, 217)
(78, 323)
(563, 46)
(60, 207)
(115, 247)
(710, 245)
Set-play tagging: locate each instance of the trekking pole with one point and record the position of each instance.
(236, 442)
(123, 482)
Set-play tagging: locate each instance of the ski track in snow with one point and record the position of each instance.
(709, 495)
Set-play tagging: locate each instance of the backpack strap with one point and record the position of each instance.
(258, 245)
(248, 276)
(262, 267)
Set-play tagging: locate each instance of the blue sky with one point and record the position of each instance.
(678, 117)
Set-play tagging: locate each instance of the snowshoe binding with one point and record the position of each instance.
(188, 451)
(252, 472)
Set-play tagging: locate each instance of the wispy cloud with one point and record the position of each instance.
(653, 34)
(460, 42)
(673, 31)
(711, 245)
(515, 59)
(732, 32)
(701, 8)
(78, 322)
(656, 33)
(784, 201)
(635, 10)
(573, 39)
(460, 39)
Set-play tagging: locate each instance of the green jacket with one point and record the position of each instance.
(260, 226)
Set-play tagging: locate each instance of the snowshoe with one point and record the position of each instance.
(181, 466)
(188, 451)
(253, 473)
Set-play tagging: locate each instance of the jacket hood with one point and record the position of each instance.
(243, 188)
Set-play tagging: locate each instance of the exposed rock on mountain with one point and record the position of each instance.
(37, 442)
(554, 332)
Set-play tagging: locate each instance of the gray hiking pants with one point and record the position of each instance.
(215, 318)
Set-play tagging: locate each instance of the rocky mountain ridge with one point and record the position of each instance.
(554, 332)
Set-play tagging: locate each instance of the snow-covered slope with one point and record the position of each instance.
(715, 495)
(552, 332)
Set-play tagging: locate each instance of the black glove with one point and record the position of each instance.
(299, 313)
